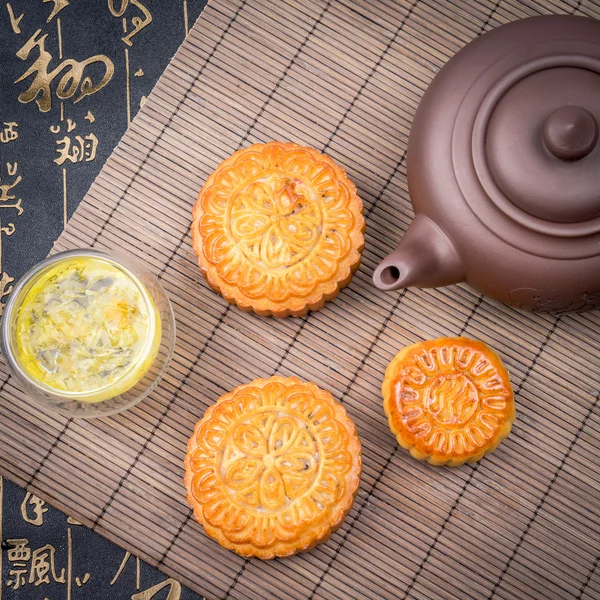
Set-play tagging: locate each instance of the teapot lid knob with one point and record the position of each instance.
(540, 145)
(570, 132)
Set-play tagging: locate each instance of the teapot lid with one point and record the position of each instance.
(542, 144)
(525, 142)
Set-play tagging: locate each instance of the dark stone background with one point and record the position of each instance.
(88, 28)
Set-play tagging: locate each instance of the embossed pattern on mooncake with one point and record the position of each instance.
(448, 401)
(278, 229)
(273, 467)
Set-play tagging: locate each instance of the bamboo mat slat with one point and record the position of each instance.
(345, 77)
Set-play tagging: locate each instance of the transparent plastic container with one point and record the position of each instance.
(137, 382)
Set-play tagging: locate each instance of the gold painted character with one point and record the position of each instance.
(20, 551)
(8, 229)
(138, 23)
(17, 577)
(14, 20)
(90, 147)
(123, 565)
(12, 168)
(72, 521)
(63, 153)
(81, 581)
(38, 507)
(5, 194)
(84, 151)
(58, 6)
(9, 133)
(118, 12)
(19, 554)
(7, 187)
(20, 211)
(70, 70)
(43, 566)
(5, 288)
(55, 129)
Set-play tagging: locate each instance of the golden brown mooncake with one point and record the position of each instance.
(273, 467)
(278, 229)
(449, 400)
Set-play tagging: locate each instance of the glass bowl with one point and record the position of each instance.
(138, 379)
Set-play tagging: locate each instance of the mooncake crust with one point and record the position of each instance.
(448, 401)
(273, 467)
(278, 229)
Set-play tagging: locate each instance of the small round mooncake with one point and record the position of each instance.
(273, 467)
(448, 401)
(278, 229)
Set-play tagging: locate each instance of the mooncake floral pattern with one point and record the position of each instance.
(273, 460)
(277, 222)
(273, 467)
(277, 219)
(448, 400)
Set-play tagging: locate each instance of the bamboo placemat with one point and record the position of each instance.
(346, 78)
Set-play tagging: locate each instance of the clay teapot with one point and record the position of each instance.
(504, 170)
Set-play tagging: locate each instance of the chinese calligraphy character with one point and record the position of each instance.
(20, 551)
(84, 151)
(81, 581)
(58, 6)
(43, 565)
(72, 73)
(123, 565)
(90, 116)
(7, 187)
(138, 23)
(9, 133)
(174, 591)
(19, 577)
(118, 12)
(70, 126)
(6, 280)
(14, 21)
(5, 288)
(38, 507)
(5, 195)
(72, 521)
(77, 149)
(18, 554)
(8, 229)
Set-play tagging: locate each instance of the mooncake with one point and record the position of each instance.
(449, 400)
(278, 229)
(273, 467)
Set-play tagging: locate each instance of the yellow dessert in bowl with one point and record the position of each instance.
(89, 333)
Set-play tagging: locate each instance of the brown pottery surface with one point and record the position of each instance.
(504, 170)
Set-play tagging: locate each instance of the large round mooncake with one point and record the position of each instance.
(273, 467)
(278, 229)
(448, 401)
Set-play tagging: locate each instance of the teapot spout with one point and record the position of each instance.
(424, 258)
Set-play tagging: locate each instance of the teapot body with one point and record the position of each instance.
(503, 170)
(496, 268)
